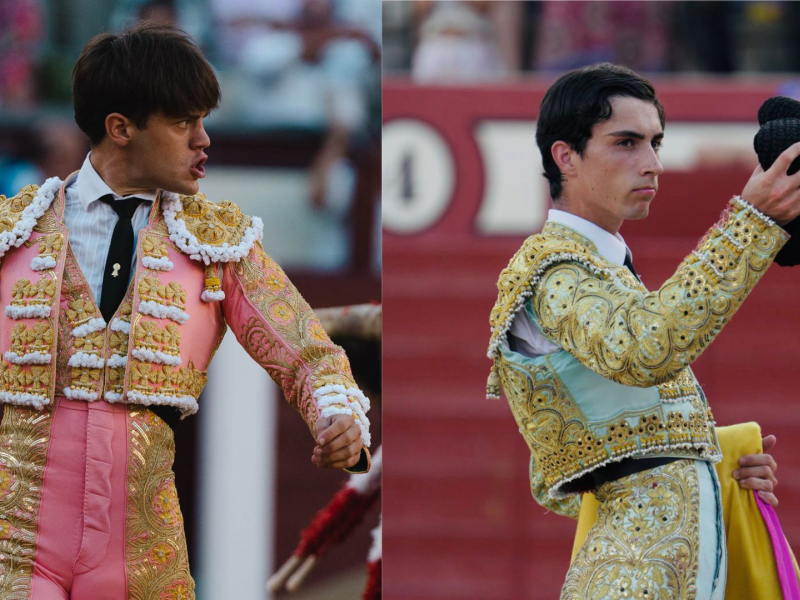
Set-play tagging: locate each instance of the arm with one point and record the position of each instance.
(279, 330)
(566, 507)
(642, 339)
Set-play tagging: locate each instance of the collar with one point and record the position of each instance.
(611, 247)
(91, 186)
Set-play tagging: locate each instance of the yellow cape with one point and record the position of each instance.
(752, 574)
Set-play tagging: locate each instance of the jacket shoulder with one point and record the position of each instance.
(210, 231)
(20, 213)
(517, 280)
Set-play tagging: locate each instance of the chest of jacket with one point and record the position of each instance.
(54, 341)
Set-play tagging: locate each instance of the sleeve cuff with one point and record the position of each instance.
(363, 465)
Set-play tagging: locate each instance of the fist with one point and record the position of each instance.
(757, 472)
(338, 442)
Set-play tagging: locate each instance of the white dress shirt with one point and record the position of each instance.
(527, 339)
(91, 223)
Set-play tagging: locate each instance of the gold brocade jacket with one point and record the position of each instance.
(200, 268)
(621, 386)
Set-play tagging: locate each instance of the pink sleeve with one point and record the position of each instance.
(277, 327)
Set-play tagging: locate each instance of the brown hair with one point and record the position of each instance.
(150, 68)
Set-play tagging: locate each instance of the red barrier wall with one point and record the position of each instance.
(459, 519)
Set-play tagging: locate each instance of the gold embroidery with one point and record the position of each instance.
(646, 338)
(284, 312)
(90, 344)
(37, 338)
(562, 445)
(84, 378)
(147, 335)
(153, 247)
(24, 438)
(155, 549)
(125, 311)
(171, 294)
(51, 245)
(645, 543)
(40, 292)
(80, 311)
(213, 223)
(150, 378)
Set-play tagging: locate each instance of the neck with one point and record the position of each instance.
(114, 168)
(591, 213)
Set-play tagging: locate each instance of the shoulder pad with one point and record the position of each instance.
(20, 213)
(209, 231)
(526, 267)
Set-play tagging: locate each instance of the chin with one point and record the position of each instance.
(639, 214)
(186, 189)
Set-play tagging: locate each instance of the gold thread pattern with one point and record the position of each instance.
(154, 248)
(155, 547)
(170, 294)
(645, 543)
(37, 338)
(34, 293)
(286, 338)
(150, 378)
(51, 245)
(214, 223)
(644, 338)
(147, 335)
(24, 439)
(11, 208)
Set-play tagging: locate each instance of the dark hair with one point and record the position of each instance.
(150, 68)
(576, 102)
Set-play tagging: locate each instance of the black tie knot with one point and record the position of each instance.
(123, 208)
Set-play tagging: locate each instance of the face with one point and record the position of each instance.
(617, 177)
(169, 153)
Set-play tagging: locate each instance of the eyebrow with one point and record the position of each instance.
(634, 134)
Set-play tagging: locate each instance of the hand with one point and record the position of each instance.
(773, 192)
(757, 472)
(338, 442)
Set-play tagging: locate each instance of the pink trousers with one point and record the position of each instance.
(80, 542)
(88, 509)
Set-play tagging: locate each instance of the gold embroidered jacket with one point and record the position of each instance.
(200, 266)
(621, 385)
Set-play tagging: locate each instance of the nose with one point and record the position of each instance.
(652, 164)
(200, 140)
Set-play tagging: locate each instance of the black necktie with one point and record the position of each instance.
(120, 254)
(629, 265)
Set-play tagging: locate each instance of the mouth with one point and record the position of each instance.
(197, 169)
(649, 189)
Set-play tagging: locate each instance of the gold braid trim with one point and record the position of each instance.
(25, 436)
(641, 338)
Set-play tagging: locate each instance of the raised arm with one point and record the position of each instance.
(644, 338)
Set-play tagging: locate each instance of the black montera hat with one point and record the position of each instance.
(779, 118)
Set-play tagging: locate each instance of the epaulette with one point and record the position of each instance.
(524, 271)
(210, 232)
(20, 213)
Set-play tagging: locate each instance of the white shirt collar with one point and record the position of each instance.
(611, 247)
(91, 186)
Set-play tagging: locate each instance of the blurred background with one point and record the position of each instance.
(296, 142)
(462, 188)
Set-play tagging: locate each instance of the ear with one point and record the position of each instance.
(564, 157)
(119, 129)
